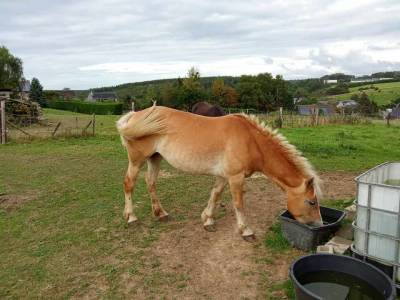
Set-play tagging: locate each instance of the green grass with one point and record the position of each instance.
(340, 204)
(387, 92)
(287, 287)
(347, 147)
(274, 239)
(71, 240)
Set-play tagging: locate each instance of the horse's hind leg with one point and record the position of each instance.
(153, 168)
(236, 184)
(208, 214)
(129, 184)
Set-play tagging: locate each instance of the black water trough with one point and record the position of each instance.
(307, 237)
(367, 279)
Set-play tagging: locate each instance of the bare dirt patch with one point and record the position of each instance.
(338, 185)
(220, 265)
(12, 202)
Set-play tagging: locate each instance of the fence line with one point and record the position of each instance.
(292, 120)
(3, 134)
(20, 127)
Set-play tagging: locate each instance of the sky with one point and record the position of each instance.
(82, 44)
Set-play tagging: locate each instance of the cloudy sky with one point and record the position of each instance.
(90, 43)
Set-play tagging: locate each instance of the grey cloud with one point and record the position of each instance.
(56, 39)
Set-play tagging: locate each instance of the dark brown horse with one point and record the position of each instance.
(207, 109)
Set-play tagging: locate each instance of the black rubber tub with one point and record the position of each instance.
(307, 237)
(371, 275)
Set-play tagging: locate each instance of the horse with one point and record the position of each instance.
(207, 109)
(231, 148)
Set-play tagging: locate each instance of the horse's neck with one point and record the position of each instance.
(279, 167)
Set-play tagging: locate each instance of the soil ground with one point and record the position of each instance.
(220, 265)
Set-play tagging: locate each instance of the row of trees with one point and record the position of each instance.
(261, 92)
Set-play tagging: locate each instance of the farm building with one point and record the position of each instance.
(5, 93)
(395, 113)
(330, 81)
(101, 96)
(358, 80)
(324, 109)
(25, 89)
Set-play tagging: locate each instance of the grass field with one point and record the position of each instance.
(387, 92)
(62, 234)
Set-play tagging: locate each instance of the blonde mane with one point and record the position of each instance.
(290, 151)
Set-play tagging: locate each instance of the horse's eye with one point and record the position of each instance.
(311, 202)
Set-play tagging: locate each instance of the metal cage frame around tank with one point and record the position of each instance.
(395, 262)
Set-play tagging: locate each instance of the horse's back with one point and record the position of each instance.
(200, 144)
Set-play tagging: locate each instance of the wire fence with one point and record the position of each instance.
(293, 120)
(19, 127)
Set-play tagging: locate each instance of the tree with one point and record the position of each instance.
(36, 93)
(10, 70)
(127, 102)
(355, 97)
(282, 97)
(249, 91)
(340, 88)
(218, 91)
(366, 106)
(191, 90)
(231, 97)
(268, 93)
(223, 94)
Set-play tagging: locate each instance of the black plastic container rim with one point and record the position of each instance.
(338, 221)
(304, 290)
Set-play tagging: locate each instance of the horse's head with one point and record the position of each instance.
(303, 203)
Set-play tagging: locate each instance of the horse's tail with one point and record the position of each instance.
(135, 125)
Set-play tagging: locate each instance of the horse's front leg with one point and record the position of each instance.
(208, 213)
(236, 185)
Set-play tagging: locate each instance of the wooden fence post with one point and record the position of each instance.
(3, 135)
(94, 122)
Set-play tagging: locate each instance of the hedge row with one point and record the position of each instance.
(102, 108)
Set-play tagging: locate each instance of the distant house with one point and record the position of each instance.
(67, 94)
(395, 113)
(358, 80)
(25, 89)
(347, 104)
(323, 109)
(297, 100)
(330, 81)
(101, 96)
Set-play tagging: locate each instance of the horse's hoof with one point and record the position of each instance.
(132, 222)
(250, 238)
(210, 228)
(163, 218)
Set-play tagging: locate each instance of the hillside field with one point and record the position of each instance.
(387, 92)
(62, 234)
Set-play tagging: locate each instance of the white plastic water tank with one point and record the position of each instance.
(377, 225)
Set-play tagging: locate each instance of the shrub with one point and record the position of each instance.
(103, 108)
(341, 88)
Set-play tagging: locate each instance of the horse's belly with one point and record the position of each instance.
(193, 162)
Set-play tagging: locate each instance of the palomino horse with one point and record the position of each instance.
(207, 109)
(230, 147)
